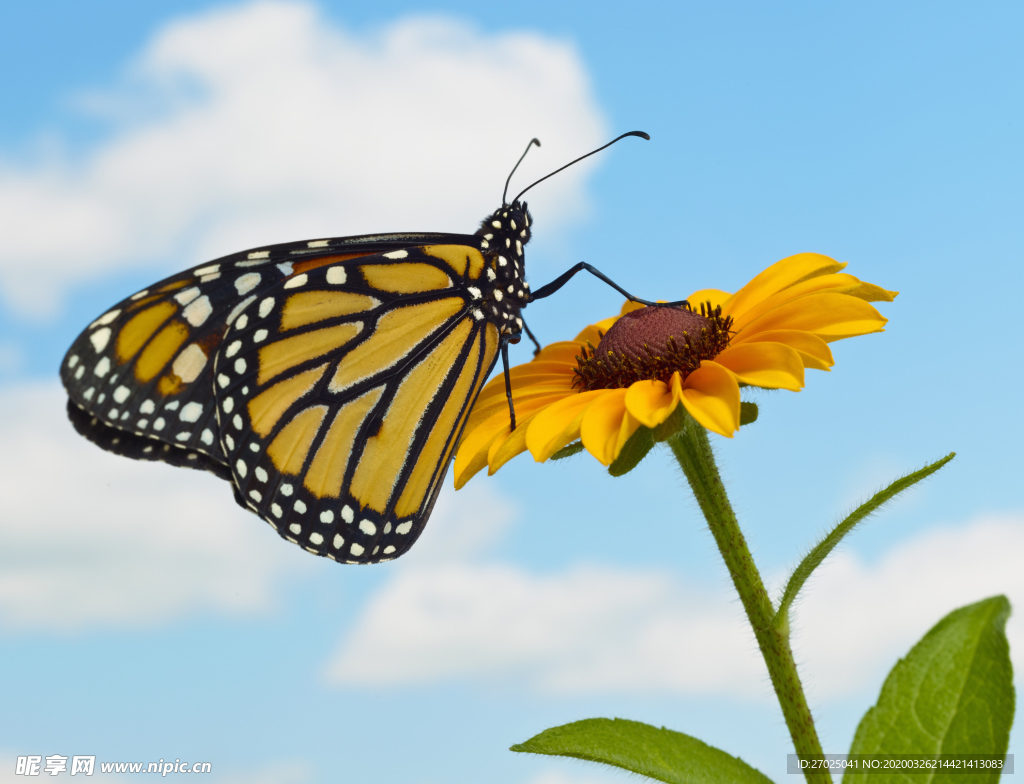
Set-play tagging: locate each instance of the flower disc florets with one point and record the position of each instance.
(651, 344)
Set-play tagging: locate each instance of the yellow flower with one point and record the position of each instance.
(764, 335)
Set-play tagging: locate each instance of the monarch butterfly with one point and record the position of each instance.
(327, 380)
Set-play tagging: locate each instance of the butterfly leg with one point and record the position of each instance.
(508, 384)
(561, 280)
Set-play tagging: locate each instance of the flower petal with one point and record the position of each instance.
(766, 365)
(503, 450)
(814, 352)
(715, 296)
(828, 315)
(472, 452)
(779, 276)
(483, 436)
(651, 401)
(602, 425)
(497, 404)
(840, 283)
(564, 351)
(558, 424)
(711, 395)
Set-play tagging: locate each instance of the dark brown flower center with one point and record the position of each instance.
(653, 343)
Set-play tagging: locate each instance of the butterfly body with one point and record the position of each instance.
(327, 380)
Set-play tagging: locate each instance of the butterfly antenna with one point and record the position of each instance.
(641, 134)
(504, 193)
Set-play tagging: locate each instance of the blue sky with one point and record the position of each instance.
(144, 616)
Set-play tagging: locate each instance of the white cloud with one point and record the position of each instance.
(589, 628)
(267, 122)
(90, 538)
(858, 618)
(599, 629)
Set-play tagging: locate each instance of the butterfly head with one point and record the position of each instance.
(503, 235)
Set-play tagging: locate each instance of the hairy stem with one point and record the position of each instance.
(693, 451)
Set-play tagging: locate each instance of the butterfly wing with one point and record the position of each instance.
(140, 377)
(342, 390)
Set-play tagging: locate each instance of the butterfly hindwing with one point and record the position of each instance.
(342, 391)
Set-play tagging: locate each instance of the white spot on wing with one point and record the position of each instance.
(367, 527)
(147, 407)
(261, 474)
(260, 335)
(232, 349)
(327, 516)
(211, 269)
(356, 549)
(339, 540)
(102, 367)
(347, 514)
(189, 363)
(336, 276)
(403, 528)
(100, 338)
(186, 296)
(247, 282)
(266, 306)
(241, 468)
(207, 436)
(317, 244)
(259, 254)
(298, 280)
(191, 412)
(299, 507)
(316, 538)
(197, 312)
(396, 254)
(121, 394)
(106, 318)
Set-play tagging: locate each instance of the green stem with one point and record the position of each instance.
(693, 451)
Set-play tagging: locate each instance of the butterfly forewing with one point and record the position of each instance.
(141, 375)
(341, 393)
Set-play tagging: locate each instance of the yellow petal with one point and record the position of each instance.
(814, 352)
(711, 395)
(715, 296)
(828, 315)
(767, 365)
(504, 450)
(558, 425)
(602, 423)
(472, 453)
(840, 283)
(651, 401)
(564, 351)
(629, 306)
(869, 292)
(779, 276)
(527, 401)
(591, 334)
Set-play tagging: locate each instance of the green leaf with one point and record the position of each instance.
(952, 694)
(633, 451)
(828, 543)
(568, 451)
(657, 753)
(748, 413)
